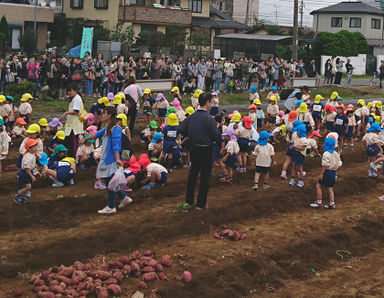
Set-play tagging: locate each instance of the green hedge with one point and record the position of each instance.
(17, 90)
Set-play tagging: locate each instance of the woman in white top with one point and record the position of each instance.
(73, 127)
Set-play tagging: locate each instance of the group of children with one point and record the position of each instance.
(246, 141)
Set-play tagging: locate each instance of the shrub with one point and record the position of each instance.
(17, 90)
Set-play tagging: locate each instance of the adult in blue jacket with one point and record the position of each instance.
(110, 157)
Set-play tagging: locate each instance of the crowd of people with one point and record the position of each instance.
(194, 138)
(97, 77)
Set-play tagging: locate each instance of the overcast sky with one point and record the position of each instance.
(282, 10)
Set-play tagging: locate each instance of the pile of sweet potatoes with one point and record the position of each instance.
(81, 280)
(229, 234)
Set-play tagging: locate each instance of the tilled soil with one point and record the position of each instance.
(290, 249)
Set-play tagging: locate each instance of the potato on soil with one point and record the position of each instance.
(114, 289)
(125, 260)
(102, 292)
(135, 267)
(162, 276)
(56, 289)
(46, 295)
(80, 275)
(187, 276)
(148, 269)
(166, 261)
(66, 271)
(117, 274)
(143, 285)
(159, 268)
(148, 253)
(149, 276)
(111, 281)
(17, 292)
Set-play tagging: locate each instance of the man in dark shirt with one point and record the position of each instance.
(202, 130)
(381, 72)
(350, 69)
(311, 69)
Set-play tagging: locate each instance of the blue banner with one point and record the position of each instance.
(86, 41)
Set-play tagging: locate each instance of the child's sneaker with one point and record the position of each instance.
(372, 173)
(18, 199)
(58, 184)
(352, 146)
(126, 201)
(187, 166)
(345, 145)
(292, 182)
(70, 182)
(300, 183)
(373, 166)
(255, 186)
(330, 206)
(284, 175)
(226, 180)
(100, 185)
(25, 200)
(107, 210)
(127, 189)
(266, 186)
(149, 186)
(317, 204)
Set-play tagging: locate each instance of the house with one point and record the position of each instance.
(21, 16)
(238, 9)
(375, 3)
(154, 15)
(353, 17)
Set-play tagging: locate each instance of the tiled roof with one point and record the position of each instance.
(217, 24)
(349, 7)
(375, 42)
(254, 36)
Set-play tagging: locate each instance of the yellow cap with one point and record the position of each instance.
(172, 120)
(236, 117)
(122, 95)
(33, 128)
(26, 97)
(273, 98)
(123, 119)
(370, 105)
(69, 159)
(189, 110)
(334, 95)
(361, 102)
(303, 108)
(2, 98)
(60, 135)
(377, 119)
(379, 104)
(283, 129)
(147, 91)
(117, 100)
(257, 102)
(318, 98)
(43, 122)
(197, 93)
(103, 100)
(175, 89)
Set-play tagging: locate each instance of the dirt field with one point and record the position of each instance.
(290, 249)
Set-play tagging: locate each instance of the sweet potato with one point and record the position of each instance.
(118, 275)
(44, 275)
(102, 292)
(80, 275)
(127, 270)
(166, 261)
(236, 236)
(17, 292)
(46, 295)
(148, 269)
(103, 275)
(135, 267)
(64, 279)
(63, 285)
(98, 283)
(84, 293)
(227, 232)
(111, 281)
(114, 289)
(41, 289)
(151, 262)
(162, 276)
(70, 292)
(187, 276)
(149, 276)
(54, 282)
(75, 281)
(216, 235)
(140, 263)
(136, 254)
(115, 265)
(125, 260)
(58, 296)
(34, 278)
(39, 282)
(56, 289)
(243, 236)
(66, 271)
(148, 253)
(159, 268)
(143, 285)
(52, 276)
(79, 266)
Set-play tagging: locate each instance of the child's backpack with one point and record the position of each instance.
(126, 148)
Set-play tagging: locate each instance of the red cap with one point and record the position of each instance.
(247, 122)
(315, 134)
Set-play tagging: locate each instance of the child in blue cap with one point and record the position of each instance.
(155, 147)
(273, 92)
(253, 94)
(330, 162)
(298, 155)
(264, 153)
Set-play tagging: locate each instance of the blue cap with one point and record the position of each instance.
(263, 138)
(253, 89)
(43, 160)
(374, 127)
(157, 136)
(274, 88)
(329, 145)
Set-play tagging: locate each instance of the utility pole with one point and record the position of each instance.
(247, 13)
(301, 13)
(295, 29)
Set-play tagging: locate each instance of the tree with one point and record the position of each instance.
(275, 30)
(175, 38)
(199, 41)
(59, 30)
(126, 36)
(28, 41)
(4, 33)
(153, 40)
(257, 24)
(362, 44)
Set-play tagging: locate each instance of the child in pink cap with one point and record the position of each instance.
(215, 104)
(179, 110)
(162, 106)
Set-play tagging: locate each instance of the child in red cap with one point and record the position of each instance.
(313, 144)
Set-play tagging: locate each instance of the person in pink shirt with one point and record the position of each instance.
(33, 73)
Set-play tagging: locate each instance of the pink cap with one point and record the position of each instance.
(91, 119)
(281, 113)
(92, 129)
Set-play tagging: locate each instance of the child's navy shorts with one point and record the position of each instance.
(163, 178)
(23, 179)
(289, 151)
(330, 125)
(329, 178)
(126, 175)
(161, 112)
(262, 170)
(169, 147)
(259, 123)
(244, 144)
(372, 150)
(66, 174)
(298, 158)
(350, 132)
(272, 120)
(340, 130)
(231, 161)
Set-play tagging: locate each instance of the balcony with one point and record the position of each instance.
(156, 16)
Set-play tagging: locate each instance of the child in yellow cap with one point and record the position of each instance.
(317, 107)
(148, 102)
(306, 117)
(176, 94)
(272, 111)
(25, 108)
(43, 123)
(362, 114)
(170, 132)
(63, 171)
(259, 114)
(195, 98)
(119, 103)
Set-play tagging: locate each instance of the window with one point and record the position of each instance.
(148, 28)
(137, 2)
(101, 4)
(336, 22)
(77, 4)
(375, 23)
(195, 5)
(355, 22)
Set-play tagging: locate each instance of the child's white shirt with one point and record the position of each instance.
(232, 147)
(331, 161)
(264, 155)
(155, 167)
